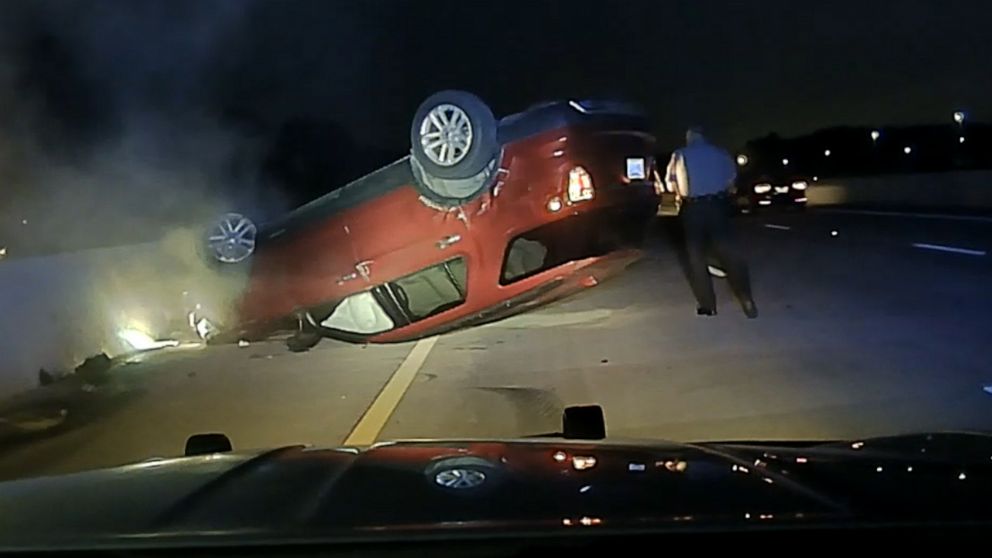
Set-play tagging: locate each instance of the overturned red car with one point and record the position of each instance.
(485, 217)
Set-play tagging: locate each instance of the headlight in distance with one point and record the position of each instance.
(579, 185)
(762, 188)
(799, 185)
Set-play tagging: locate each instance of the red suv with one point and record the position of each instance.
(484, 218)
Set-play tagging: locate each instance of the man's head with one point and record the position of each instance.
(694, 135)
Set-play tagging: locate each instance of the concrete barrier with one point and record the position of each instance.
(946, 190)
(57, 310)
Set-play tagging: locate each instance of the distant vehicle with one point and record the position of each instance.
(525, 497)
(767, 192)
(484, 218)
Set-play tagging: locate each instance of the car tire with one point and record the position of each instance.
(453, 135)
(451, 192)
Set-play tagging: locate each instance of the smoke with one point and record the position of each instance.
(109, 132)
(111, 135)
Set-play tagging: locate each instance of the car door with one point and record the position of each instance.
(398, 235)
(306, 264)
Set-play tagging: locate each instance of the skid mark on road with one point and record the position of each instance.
(374, 420)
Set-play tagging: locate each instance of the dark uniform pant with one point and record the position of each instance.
(707, 227)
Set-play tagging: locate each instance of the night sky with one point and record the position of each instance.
(742, 68)
(79, 78)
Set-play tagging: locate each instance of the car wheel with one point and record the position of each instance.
(453, 135)
(230, 239)
(451, 192)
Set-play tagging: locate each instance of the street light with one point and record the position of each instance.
(961, 139)
(875, 134)
(826, 152)
(742, 160)
(959, 117)
(907, 150)
(785, 162)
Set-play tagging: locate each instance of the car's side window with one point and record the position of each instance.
(432, 290)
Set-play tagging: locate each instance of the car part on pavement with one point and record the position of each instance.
(232, 238)
(453, 135)
(94, 369)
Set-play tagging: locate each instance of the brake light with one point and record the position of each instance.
(579, 185)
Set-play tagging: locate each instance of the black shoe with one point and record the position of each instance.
(750, 309)
(700, 311)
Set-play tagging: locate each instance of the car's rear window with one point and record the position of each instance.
(432, 290)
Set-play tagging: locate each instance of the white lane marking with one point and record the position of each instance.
(952, 249)
(777, 227)
(939, 216)
(374, 420)
(716, 271)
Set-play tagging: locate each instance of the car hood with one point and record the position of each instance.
(427, 488)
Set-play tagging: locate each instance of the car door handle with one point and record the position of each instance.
(448, 241)
(363, 269)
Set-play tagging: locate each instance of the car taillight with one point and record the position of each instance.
(579, 185)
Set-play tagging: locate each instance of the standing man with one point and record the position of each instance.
(701, 173)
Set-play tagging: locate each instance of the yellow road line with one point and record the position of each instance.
(378, 413)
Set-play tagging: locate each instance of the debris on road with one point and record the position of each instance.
(94, 369)
(716, 271)
(45, 377)
(242, 343)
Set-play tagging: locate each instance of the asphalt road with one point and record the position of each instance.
(869, 325)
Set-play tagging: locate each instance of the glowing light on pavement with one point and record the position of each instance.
(141, 341)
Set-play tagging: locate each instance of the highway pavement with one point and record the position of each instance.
(870, 324)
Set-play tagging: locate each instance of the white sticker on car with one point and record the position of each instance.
(635, 168)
